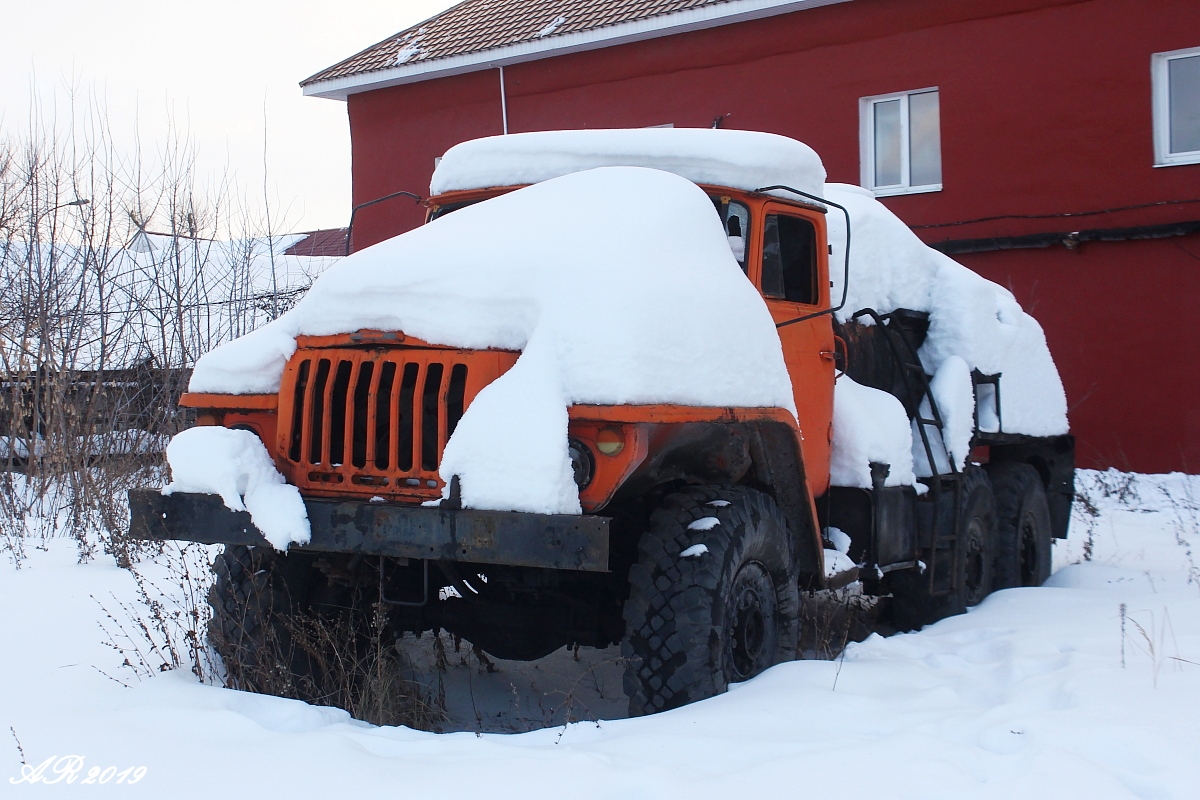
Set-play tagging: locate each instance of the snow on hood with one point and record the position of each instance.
(746, 160)
(969, 316)
(617, 284)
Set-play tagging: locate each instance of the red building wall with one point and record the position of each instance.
(1045, 110)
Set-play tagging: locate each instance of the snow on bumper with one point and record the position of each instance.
(556, 541)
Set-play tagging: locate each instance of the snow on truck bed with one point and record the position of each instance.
(973, 324)
(618, 287)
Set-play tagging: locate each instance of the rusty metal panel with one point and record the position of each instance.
(556, 541)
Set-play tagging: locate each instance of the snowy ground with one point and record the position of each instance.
(1049, 692)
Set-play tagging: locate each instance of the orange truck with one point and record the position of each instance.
(360, 421)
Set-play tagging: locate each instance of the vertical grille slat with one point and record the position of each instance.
(326, 413)
(317, 404)
(371, 434)
(356, 423)
(338, 402)
(431, 416)
(408, 391)
(382, 407)
(455, 398)
(296, 440)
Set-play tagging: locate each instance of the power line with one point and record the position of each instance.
(1056, 216)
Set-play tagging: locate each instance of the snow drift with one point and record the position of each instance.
(617, 284)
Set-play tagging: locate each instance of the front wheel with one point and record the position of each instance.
(255, 592)
(714, 597)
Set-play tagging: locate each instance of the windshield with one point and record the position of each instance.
(450, 208)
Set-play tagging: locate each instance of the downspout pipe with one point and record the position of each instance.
(503, 102)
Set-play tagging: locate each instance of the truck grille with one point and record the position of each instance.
(371, 419)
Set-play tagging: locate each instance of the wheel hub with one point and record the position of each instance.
(751, 633)
(974, 563)
(1029, 552)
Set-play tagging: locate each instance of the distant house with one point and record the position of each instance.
(1051, 145)
(320, 244)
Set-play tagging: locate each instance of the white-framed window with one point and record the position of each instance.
(1175, 78)
(900, 142)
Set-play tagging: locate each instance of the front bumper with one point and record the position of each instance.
(555, 541)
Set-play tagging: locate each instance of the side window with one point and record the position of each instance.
(900, 142)
(789, 265)
(1176, 83)
(735, 217)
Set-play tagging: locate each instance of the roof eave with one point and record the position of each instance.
(608, 36)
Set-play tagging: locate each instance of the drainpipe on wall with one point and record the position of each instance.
(503, 103)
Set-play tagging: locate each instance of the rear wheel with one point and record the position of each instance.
(714, 597)
(1023, 532)
(913, 603)
(977, 538)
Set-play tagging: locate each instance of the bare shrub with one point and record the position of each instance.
(117, 271)
(1186, 521)
(165, 627)
(364, 676)
(348, 660)
(830, 620)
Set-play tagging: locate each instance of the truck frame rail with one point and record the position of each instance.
(554, 541)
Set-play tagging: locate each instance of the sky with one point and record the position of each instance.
(218, 69)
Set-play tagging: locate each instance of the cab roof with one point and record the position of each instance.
(746, 160)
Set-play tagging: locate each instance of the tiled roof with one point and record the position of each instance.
(330, 242)
(475, 26)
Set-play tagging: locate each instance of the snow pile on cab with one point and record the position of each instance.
(617, 284)
(235, 465)
(738, 159)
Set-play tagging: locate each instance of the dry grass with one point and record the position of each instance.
(830, 620)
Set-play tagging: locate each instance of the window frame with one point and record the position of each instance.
(758, 218)
(866, 143)
(1161, 108)
(720, 197)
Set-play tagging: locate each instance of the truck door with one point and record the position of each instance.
(792, 274)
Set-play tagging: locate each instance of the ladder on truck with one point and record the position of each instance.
(943, 533)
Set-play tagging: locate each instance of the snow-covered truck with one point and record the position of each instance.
(644, 387)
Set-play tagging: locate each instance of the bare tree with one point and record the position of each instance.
(117, 271)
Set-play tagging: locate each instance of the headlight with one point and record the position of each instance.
(583, 464)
